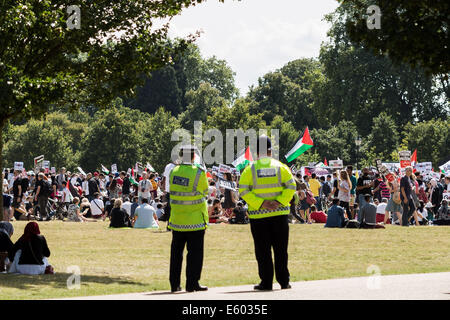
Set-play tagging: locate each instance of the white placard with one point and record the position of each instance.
(424, 167)
(215, 169)
(404, 155)
(114, 168)
(226, 184)
(446, 196)
(53, 170)
(445, 167)
(224, 168)
(336, 164)
(18, 166)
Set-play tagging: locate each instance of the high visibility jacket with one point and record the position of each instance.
(267, 179)
(188, 194)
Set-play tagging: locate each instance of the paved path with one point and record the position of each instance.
(428, 286)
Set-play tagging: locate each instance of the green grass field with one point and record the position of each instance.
(120, 261)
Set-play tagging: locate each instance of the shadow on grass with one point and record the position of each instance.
(59, 280)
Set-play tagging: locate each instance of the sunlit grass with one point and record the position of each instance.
(119, 261)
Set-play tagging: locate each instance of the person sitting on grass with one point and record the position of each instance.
(30, 253)
(6, 245)
(74, 213)
(335, 215)
(159, 210)
(382, 214)
(368, 218)
(145, 216)
(443, 214)
(134, 206)
(215, 212)
(240, 214)
(318, 216)
(119, 217)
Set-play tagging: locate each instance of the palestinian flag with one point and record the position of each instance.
(132, 180)
(300, 147)
(106, 171)
(243, 160)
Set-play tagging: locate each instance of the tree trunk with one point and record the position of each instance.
(2, 126)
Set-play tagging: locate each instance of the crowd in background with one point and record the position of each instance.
(142, 201)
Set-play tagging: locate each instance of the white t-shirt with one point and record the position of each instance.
(127, 207)
(66, 195)
(5, 186)
(85, 187)
(96, 206)
(424, 214)
(73, 181)
(147, 185)
(381, 208)
(166, 174)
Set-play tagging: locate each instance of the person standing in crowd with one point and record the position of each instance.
(188, 220)
(304, 205)
(314, 186)
(267, 186)
(354, 182)
(134, 206)
(154, 186)
(165, 183)
(435, 191)
(306, 181)
(92, 186)
(335, 189)
(394, 203)
(126, 185)
(85, 185)
(144, 188)
(113, 189)
(335, 215)
(17, 191)
(406, 196)
(364, 186)
(344, 187)
(230, 202)
(60, 178)
(43, 191)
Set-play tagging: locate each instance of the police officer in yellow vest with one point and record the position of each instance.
(267, 185)
(188, 220)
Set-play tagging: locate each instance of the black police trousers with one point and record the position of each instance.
(194, 260)
(268, 233)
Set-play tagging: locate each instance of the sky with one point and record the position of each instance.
(256, 36)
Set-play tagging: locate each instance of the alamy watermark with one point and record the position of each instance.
(74, 281)
(374, 18)
(213, 152)
(374, 281)
(74, 19)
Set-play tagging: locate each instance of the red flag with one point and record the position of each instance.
(208, 175)
(325, 162)
(414, 158)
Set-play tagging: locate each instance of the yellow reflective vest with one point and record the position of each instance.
(267, 179)
(188, 194)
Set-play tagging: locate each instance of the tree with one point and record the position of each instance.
(56, 137)
(113, 137)
(384, 136)
(358, 86)
(431, 139)
(288, 92)
(413, 32)
(44, 62)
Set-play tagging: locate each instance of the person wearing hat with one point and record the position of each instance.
(188, 220)
(267, 186)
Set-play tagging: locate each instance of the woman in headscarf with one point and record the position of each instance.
(6, 245)
(31, 252)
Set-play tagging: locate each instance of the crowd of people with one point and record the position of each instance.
(143, 201)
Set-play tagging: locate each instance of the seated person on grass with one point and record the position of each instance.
(6, 245)
(74, 213)
(119, 217)
(145, 216)
(240, 214)
(335, 215)
(215, 212)
(318, 216)
(159, 210)
(443, 214)
(368, 214)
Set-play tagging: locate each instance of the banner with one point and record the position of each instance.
(445, 167)
(405, 158)
(424, 167)
(215, 169)
(336, 164)
(81, 171)
(18, 166)
(226, 184)
(224, 168)
(392, 166)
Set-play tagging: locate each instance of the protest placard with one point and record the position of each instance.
(38, 162)
(336, 164)
(114, 168)
(81, 171)
(424, 167)
(18, 166)
(223, 168)
(404, 157)
(226, 184)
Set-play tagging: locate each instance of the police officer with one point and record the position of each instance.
(188, 220)
(268, 186)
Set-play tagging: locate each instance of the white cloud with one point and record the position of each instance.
(256, 36)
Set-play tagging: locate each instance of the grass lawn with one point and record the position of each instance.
(120, 261)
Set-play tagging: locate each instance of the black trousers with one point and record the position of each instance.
(271, 233)
(408, 210)
(194, 259)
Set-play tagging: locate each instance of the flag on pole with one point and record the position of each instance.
(149, 167)
(300, 147)
(414, 158)
(243, 160)
(106, 171)
(132, 180)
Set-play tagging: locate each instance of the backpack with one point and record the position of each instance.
(310, 198)
(46, 188)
